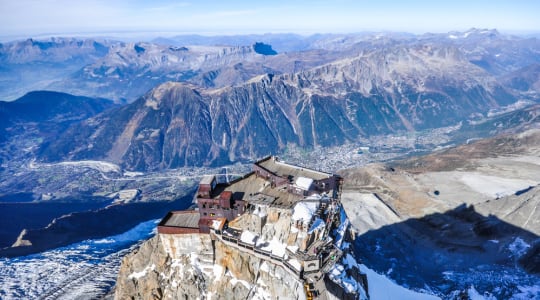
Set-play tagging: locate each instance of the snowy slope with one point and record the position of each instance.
(84, 270)
(382, 288)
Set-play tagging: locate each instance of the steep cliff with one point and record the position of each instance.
(190, 266)
(182, 267)
(267, 253)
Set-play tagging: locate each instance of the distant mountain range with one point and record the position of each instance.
(31, 64)
(126, 71)
(212, 105)
(377, 92)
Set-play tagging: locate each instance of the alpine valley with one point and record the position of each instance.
(437, 137)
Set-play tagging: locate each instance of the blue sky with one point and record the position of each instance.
(26, 18)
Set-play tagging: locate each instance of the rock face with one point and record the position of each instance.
(289, 240)
(182, 267)
(377, 92)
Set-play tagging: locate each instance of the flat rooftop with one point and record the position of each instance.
(283, 169)
(207, 179)
(260, 190)
(186, 219)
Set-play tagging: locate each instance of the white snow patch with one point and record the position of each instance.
(248, 237)
(125, 196)
(133, 174)
(137, 275)
(195, 263)
(314, 197)
(382, 288)
(518, 247)
(448, 274)
(304, 183)
(218, 270)
(338, 275)
(276, 247)
(304, 211)
(475, 295)
(367, 212)
(494, 186)
(264, 267)
(235, 281)
(295, 264)
(104, 241)
(261, 291)
(528, 159)
(293, 249)
(101, 166)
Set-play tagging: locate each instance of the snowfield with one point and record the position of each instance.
(304, 211)
(85, 270)
(100, 166)
(494, 186)
(367, 212)
(382, 288)
(88, 270)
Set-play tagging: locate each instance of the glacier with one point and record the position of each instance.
(82, 270)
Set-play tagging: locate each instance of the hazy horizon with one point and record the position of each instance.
(144, 36)
(134, 19)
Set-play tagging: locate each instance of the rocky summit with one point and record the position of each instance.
(278, 232)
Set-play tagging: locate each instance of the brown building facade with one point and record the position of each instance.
(214, 203)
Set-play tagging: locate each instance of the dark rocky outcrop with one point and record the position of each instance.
(46, 112)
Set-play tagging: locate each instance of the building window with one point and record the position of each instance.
(212, 214)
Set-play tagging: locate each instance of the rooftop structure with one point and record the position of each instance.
(180, 222)
(282, 169)
(272, 183)
(288, 215)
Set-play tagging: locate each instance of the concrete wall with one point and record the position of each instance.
(178, 245)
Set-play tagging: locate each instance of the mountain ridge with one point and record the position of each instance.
(92, 67)
(376, 92)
